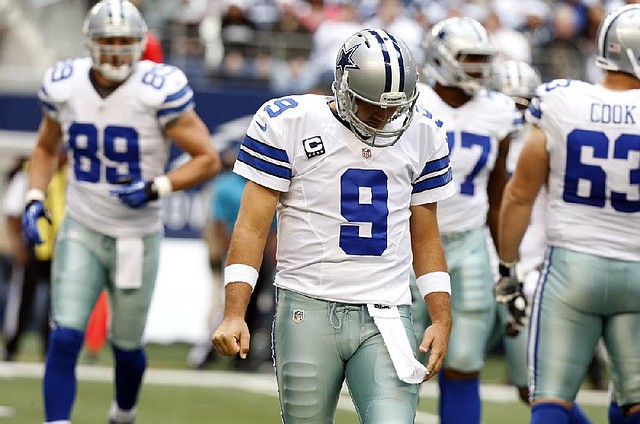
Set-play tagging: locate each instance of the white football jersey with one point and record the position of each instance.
(593, 140)
(114, 138)
(343, 215)
(474, 131)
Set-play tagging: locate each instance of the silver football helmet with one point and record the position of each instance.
(618, 41)
(109, 19)
(446, 48)
(375, 67)
(516, 79)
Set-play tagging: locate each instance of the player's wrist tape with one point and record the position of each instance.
(438, 281)
(162, 186)
(240, 273)
(34, 195)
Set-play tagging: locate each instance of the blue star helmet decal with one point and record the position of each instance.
(345, 60)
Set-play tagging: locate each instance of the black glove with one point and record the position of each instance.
(508, 290)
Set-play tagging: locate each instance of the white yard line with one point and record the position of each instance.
(264, 384)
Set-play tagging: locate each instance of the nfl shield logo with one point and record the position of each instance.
(298, 315)
(366, 152)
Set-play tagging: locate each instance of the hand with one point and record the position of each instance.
(436, 340)
(32, 213)
(135, 193)
(232, 337)
(508, 290)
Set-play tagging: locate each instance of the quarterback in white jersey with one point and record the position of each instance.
(585, 147)
(354, 179)
(458, 61)
(115, 115)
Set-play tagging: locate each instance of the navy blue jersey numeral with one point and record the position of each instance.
(363, 202)
(468, 140)
(577, 170)
(120, 146)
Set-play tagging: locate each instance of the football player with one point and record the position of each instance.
(584, 146)
(519, 80)
(355, 179)
(458, 59)
(115, 114)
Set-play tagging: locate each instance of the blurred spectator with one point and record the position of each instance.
(392, 17)
(312, 13)
(291, 45)
(561, 56)
(327, 40)
(238, 34)
(511, 44)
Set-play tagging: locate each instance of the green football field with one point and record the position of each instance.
(174, 394)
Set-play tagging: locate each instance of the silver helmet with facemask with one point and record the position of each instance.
(516, 79)
(458, 53)
(109, 20)
(378, 69)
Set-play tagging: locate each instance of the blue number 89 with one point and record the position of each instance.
(87, 167)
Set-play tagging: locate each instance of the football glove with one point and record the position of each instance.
(508, 290)
(32, 213)
(136, 193)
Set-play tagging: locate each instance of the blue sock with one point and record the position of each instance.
(633, 419)
(459, 400)
(549, 413)
(59, 383)
(130, 366)
(616, 416)
(577, 416)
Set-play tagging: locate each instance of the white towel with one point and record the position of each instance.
(129, 260)
(387, 319)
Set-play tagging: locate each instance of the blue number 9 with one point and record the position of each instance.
(359, 210)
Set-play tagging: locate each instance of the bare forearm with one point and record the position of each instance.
(237, 297)
(439, 306)
(192, 173)
(514, 219)
(42, 166)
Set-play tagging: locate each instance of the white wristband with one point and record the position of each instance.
(34, 194)
(240, 273)
(163, 186)
(438, 281)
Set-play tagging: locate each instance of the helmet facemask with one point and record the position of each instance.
(372, 84)
(115, 62)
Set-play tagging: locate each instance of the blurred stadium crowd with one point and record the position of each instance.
(289, 45)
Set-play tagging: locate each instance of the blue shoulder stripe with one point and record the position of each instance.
(535, 111)
(264, 166)
(175, 96)
(48, 106)
(177, 109)
(435, 165)
(432, 183)
(263, 149)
